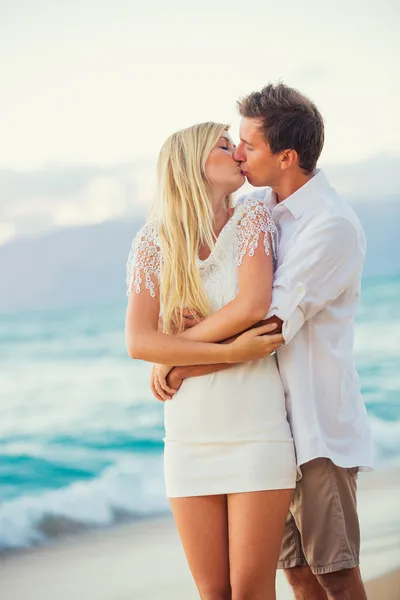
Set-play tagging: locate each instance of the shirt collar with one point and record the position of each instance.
(304, 198)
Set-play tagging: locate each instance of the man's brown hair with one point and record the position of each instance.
(289, 121)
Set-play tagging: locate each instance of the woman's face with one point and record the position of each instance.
(222, 170)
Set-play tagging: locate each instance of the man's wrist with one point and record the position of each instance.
(181, 372)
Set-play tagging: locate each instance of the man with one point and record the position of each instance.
(315, 297)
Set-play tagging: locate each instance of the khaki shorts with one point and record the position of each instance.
(322, 528)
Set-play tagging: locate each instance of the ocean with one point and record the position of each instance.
(81, 436)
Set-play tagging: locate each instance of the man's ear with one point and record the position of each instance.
(288, 159)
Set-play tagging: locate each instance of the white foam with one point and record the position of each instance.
(386, 436)
(133, 487)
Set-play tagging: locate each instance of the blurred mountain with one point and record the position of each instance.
(380, 217)
(72, 266)
(86, 265)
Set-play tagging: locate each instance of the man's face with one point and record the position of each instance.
(259, 165)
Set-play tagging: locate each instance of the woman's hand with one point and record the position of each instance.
(158, 383)
(254, 344)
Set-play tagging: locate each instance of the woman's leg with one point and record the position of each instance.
(256, 521)
(202, 523)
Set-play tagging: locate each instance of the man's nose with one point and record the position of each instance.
(238, 154)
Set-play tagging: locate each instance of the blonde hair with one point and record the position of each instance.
(182, 213)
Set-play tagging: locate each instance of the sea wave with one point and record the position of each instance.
(131, 488)
(386, 436)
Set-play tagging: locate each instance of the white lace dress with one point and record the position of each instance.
(226, 432)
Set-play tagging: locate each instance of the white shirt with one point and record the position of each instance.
(316, 292)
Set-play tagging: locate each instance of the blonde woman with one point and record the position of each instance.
(229, 456)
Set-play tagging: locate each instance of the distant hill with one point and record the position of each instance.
(82, 265)
(86, 265)
(380, 218)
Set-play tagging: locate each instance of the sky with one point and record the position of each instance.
(91, 89)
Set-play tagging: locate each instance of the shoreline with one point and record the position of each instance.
(144, 560)
(386, 587)
(138, 561)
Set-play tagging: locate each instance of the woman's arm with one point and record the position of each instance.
(165, 382)
(142, 338)
(144, 342)
(255, 274)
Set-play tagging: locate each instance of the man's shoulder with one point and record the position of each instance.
(338, 209)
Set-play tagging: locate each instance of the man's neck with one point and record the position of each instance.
(288, 187)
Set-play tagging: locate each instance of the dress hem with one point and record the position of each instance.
(279, 485)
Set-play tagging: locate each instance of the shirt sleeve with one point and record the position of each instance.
(144, 261)
(315, 271)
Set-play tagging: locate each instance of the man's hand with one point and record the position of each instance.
(190, 318)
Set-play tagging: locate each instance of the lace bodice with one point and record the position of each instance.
(219, 271)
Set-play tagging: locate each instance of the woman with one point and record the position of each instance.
(229, 457)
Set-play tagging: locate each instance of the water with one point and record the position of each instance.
(81, 436)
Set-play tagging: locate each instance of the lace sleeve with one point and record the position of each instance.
(255, 220)
(144, 261)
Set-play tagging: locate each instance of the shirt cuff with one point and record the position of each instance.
(292, 325)
(286, 306)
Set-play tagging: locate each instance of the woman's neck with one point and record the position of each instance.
(221, 213)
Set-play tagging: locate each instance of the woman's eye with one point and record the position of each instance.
(224, 147)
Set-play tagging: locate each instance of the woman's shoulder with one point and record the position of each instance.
(147, 236)
(256, 196)
(144, 255)
(145, 246)
(253, 219)
(255, 204)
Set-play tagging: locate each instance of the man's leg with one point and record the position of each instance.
(324, 511)
(343, 585)
(304, 584)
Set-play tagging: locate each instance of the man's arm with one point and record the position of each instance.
(315, 271)
(178, 374)
(320, 266)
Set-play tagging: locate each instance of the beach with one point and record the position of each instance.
(144, 560)
(83, 512)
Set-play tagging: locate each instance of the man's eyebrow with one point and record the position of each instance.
(245, 141)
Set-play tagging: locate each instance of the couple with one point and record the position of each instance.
(262, 448)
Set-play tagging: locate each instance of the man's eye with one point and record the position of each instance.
(248, 148)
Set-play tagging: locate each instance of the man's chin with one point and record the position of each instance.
(254, 182)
